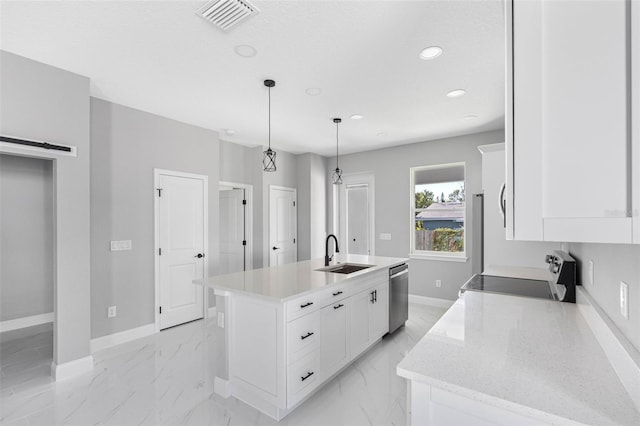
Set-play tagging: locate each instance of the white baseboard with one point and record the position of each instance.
(431, 301)
(114, 339)
(624, 358)
(71, 368)
(222, 387)
(18, 323)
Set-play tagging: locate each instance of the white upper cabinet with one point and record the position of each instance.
(573, 146)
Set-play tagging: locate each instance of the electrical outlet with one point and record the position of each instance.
(624, 299)
(591, 276)
(121, 245)
(385, 236)
(111, 312)
(438, 283)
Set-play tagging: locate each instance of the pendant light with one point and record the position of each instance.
(269, 158)
(336, 178)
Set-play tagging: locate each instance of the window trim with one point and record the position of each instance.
(427, 254)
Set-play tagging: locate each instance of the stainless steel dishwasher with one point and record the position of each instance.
(398, 296)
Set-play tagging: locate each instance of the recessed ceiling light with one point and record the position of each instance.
(313, 91)
(469, 117)
(245, 51)
(230, 132)
(357, 117)
(430, 52)
(456, 93)
(381, 134)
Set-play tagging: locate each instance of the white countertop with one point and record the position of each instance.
(281, 283)
(535, 357)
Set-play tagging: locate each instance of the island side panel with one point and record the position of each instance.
(256, 356)
(221, 384)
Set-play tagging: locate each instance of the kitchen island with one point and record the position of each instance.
(286, 330)
(501, 359)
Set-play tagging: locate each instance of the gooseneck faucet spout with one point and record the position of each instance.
(327, 259)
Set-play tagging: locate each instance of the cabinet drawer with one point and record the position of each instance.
(302, 306)
(303, 335)
(333, 295)
(302, 378)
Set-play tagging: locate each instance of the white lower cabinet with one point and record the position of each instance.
(333, 337)
(282, 352)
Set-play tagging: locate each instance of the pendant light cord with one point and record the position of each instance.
(337, 145)
(269, 118)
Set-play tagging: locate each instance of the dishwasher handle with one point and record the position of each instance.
(398, 271)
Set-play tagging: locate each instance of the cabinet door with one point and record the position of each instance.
(379, 312)
(359, 322)
(569, 121)
(333, 333)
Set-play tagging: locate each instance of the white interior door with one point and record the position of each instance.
(181, 237)
(282, 226)
(357, 231)
(354, 209)
(232, 230)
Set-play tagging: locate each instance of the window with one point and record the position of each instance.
(438, 210)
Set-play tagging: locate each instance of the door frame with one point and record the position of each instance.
(358, 178)
(248, 224)
(266, 256)
(156, 237)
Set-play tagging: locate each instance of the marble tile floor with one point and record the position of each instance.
(167, 379)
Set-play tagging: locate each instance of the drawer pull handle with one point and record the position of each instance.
(337, 293)
(309, 334)
(338, 306)
(309, 374)
(306, 304)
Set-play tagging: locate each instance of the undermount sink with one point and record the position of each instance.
(344, 268)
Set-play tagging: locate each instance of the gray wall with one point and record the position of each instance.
(612, 263)
(391, 169)
(26, 234)
(127, 145)
(42, 102)
(304, 207)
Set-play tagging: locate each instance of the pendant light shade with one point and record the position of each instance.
(336, 178)
(269, 156)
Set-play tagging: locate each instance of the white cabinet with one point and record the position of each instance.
(379, 312)
(333, 340)
(368, 317)
(572, 125)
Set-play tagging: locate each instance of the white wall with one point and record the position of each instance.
(26, 237)
(393, 197)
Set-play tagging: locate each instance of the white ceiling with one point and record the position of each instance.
(160, 57)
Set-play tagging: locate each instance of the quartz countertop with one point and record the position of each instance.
(285, 282)
(534, 357)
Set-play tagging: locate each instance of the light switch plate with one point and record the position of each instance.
(121, 245)
(221, 319)
(438, 283)
(591, 276)
(624, 299)
(385, 236)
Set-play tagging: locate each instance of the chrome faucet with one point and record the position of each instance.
(327, 259)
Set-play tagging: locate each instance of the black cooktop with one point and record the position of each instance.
(507, 285)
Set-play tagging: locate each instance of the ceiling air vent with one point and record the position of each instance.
(227, 13)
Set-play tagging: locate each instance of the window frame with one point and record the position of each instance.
(431, 254)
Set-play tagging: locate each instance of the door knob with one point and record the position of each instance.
(199, 255)
(275, 248)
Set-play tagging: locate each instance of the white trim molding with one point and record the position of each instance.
(431, 301)
(24, 322)
(444, 258)
(125, 336)
(72, 368)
